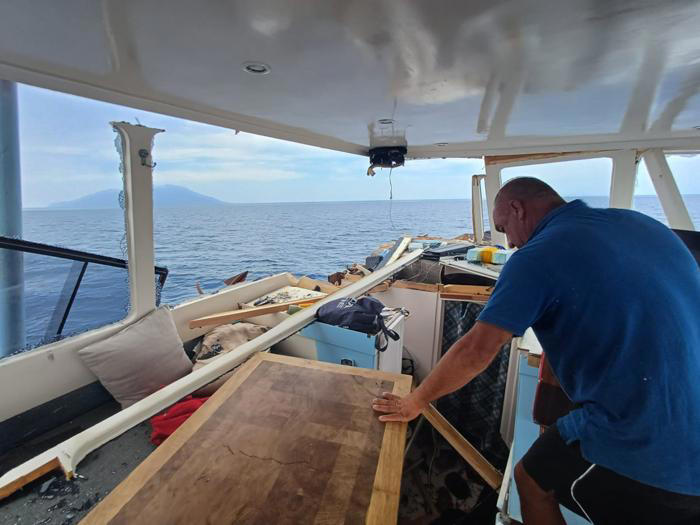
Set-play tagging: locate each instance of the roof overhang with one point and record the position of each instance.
(449, 79)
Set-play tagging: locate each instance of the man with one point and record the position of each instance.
(614, 298)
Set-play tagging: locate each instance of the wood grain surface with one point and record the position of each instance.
(285, 440)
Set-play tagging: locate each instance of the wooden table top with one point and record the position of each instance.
(285, 440)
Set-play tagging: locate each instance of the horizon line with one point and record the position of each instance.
(228, 203)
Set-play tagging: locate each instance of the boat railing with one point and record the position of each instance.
(81, 260)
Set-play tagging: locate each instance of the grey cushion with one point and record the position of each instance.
(139, 359)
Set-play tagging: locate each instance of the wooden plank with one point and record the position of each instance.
(466, 289)
(464, 297)
(422, 287)
(314, 284)
(534, 360)
(465, 449)
(284, 440)
(44, 468)
(247, 313)
(384, 505)
(465, 292)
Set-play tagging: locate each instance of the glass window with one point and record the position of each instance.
(54, 283)
(587, 179)
(685, 169)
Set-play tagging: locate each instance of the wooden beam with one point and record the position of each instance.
(465, 449)
(247, 313)
(464, 297)
(464, 292)
(466, 289)
(316, 285)
(422, 287)
(40, 470)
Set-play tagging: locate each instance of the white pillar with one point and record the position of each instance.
(477, 212)
(493, 184)
(136, 145)
(667, 190)
(624, 175)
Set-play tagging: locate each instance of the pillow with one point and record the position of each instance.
(221, 340)
(139, 359)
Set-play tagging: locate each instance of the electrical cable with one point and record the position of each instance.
(391, 200)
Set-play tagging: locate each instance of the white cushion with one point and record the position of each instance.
(139, 359)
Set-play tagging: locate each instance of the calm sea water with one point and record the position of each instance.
(208, 245)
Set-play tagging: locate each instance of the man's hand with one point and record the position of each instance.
(398, 408)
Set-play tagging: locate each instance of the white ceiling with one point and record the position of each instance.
(483, 76)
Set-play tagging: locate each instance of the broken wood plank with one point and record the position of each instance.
(465, 292)
(236, 278)
(465, 449)
(246, 313)
(362, 269)
(316, 285)
(284, 440)
(43, 468)
(336, 278)
(466, 289)
(411, 285)
(463, 297)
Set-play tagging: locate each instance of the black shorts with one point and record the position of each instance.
(599, 494)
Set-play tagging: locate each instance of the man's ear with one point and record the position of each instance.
(518, 208)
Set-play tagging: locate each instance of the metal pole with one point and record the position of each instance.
(12, 336)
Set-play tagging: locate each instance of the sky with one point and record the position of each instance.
(67, 151)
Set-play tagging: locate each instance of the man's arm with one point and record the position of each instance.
(465, 359)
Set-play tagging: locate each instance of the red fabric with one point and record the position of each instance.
(166, 423)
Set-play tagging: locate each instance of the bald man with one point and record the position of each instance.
(614, 298)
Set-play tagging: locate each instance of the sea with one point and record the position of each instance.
(209, 245)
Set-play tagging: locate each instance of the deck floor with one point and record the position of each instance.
(67, 502)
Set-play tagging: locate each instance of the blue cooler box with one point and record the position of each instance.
(341, 346)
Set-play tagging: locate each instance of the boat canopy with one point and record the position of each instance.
(447, 78)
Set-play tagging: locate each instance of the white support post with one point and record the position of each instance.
(624, 175)
(493, 184)
(667, 190)
(137, 142)
(477, 211)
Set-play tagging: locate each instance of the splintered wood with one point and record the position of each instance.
(285, 440)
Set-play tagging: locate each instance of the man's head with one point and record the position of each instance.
(520, 205)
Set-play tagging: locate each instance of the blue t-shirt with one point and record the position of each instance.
(614, 298)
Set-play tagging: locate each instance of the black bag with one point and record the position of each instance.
(361, 315)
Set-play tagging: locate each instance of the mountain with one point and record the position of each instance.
(166, 196)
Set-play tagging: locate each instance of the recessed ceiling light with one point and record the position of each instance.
(256, 68)
(441, 144)
(386, 120)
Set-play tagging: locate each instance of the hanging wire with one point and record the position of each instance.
(391, 200)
